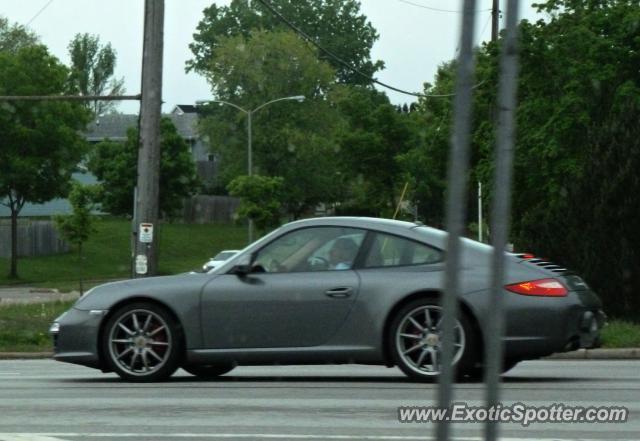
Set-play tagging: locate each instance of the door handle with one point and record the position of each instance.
(338, 293)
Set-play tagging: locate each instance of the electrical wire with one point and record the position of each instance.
(431, 8)
(308, 38)
(37, 14)
(304, 35)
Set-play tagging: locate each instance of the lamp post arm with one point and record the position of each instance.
(225, 103)
(288, 98)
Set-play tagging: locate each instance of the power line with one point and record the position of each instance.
(308, 38)
(303, 34)
(431, 8)
(37, 14)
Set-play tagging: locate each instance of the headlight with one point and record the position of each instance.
(55, 328)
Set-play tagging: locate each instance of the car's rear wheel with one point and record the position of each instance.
(208, 372)
(142, 342)
(416, 340)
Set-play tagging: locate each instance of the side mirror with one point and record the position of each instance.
(244, 265)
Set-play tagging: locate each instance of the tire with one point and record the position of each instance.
(208, 372)
(142, 342)
(415, 340)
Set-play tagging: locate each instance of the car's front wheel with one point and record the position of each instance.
(416, 340)
(142, 342)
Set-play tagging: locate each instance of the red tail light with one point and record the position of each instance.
(541, 287)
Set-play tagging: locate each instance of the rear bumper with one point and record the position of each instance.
(536, 327)
(76, 337)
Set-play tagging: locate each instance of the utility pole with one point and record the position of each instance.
(495, 20)
(495, 29)
(149, 149)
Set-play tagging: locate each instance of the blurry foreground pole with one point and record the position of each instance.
(501, 207)
(146, 263)
(456, 203)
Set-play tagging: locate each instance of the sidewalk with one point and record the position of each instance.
(27, 295)
(599, 354)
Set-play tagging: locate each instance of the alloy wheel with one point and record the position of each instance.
(419, 340)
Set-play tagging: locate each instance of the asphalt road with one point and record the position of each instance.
(42, 400)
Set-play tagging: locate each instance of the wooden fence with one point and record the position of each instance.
(35, 238)
(210, 209)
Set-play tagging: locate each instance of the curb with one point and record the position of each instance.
(25, 355)
(598, 354)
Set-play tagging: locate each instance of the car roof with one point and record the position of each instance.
(364, 222)
(417, 230)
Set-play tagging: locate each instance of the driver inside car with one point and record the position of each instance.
(342, 254)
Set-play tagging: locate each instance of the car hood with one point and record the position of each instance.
(102, 297)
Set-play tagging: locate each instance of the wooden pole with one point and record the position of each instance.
(147, 203)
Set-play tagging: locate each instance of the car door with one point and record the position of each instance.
(294, 297)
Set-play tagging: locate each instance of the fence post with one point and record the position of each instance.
(501, 207)
(456, 204)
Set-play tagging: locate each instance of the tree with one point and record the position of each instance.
(14, 36)
(41, 143)
(371, 143)
(78, 226)
(337, 25)
(260, 199)
(293, 140)
(576, 189)
(115, 166)
(92, 67)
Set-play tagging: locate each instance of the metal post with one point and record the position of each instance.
(501, 207)
(250, 160)
(456, 203)
(149, 149)
(480, 221)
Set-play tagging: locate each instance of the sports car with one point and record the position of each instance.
(327, 290)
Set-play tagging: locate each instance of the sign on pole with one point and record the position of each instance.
(145, 233)
(141, 264)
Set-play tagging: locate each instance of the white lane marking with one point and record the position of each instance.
(50, 436)
(27, 437)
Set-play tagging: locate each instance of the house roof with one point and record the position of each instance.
(184, 108)
(115, 126)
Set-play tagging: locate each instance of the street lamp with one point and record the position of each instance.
(249, 113)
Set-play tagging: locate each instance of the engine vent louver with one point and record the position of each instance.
(543, 263)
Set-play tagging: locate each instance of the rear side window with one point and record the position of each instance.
(387, 250)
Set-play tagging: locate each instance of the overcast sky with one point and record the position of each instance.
(413, 40)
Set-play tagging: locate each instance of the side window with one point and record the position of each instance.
(311, 249)
(387, 250)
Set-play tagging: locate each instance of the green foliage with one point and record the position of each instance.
(77, 226)
(92, 67)
(115, 165)
(576, 188)
(371, 143)
(293, 140)
(15, 36)
(260, 199)
(107, 253)
(25, 328)
(337, 25)
(621, 334)
(41, 143)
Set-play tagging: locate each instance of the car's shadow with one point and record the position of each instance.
(239, 379)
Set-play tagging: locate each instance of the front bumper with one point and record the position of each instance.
(75, 337)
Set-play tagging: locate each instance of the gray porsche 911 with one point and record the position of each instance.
(328, 290)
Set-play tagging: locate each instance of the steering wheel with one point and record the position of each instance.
(318, 262)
